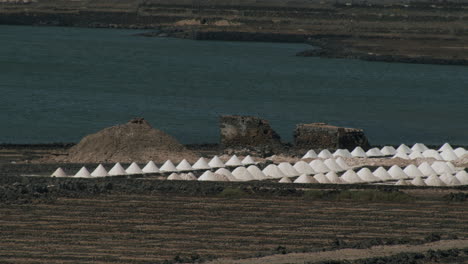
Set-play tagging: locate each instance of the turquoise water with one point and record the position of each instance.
(60, 84)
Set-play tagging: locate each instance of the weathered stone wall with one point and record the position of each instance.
(321, 135)
(247, 131)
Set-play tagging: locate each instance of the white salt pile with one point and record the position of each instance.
(319, 166)
(321, 178)
(216, 162)
(150, 168)
(168, 166)
(273, 171)
(257, 173)
(248, 160)
(310, 155)
(325, 154)
(100, 171)
(382, 174)
(184, 165)
(288, 169)
(242, 174)
(133, 169)
(117, 170)
(82, 173)
(174, 177)
(305, 179)
(304, 168)
(59, 172)
(201, 164)
(234, 161)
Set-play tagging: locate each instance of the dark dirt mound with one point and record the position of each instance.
(134, 141)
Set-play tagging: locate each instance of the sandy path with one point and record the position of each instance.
(348, 254)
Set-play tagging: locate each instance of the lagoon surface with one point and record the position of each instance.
(59, 84)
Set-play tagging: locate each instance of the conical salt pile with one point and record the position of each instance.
(426, 169)
(288, 169)
(248, 160)
(234, 161)
(430, 153)
(319, 166)
(100, 171)
(366, 175)
(150, 168)
(397, 173)
(462, 176)
(412, 171)
(401, 182)
(401, 155)
(374, 152)
(382, 174)
(418, 181)
(82, 173)
(445, 177)
(184, 165)
(359, 153)
(305, 179)
(273, 171)
(133, 169)
(333, 177)
(416, 155)
(201, 164)
(460, 152)
(117, 170)
(168, 166)
(332, 165)
(174, 177)
(342, 163)
(257, 173)
(226, 173)
(59, 172)
(285, 180)
(351, 177)
(448, 154)
(242, 174)
(216, 162)
(321, 178)
(325, 154)
(188, 176)
(419, 147)
(441, 167)
(451, 166)
(445, 146)
(210, 176)
(433, 180)
(303, 167)
(342, 153)
(388, 151)
(453, 181)
(403, 149)
(310, 155)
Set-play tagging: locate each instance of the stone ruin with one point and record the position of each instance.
(322, 135)
(256, 134)
(248, 132)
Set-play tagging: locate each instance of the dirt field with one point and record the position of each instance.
(145, 221)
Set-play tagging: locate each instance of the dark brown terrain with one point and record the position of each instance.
(417, 32)
(148, 220)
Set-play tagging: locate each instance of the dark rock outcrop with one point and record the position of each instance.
(322, 135)
(247, 131)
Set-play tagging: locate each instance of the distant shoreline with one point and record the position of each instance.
(422, 32)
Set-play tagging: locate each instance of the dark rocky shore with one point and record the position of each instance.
(422, 32)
